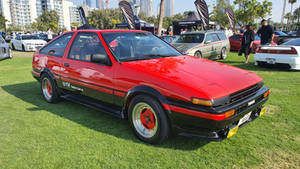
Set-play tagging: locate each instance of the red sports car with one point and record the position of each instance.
(236, 40)
(136, 75)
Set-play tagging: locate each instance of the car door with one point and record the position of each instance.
(51, 56)
(217, 45)
(208, 49)
(235, 42)
(83, 77)
(2, 48)
(18, 42)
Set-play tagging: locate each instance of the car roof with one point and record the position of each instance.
(108, 30)
(203, 32)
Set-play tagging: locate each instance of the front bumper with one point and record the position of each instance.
(188, 125)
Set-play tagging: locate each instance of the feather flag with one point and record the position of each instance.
(127, 14)
(230, 16)
(202, 9)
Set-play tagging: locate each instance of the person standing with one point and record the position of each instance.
(247, 42)
(266, 33)
(49, 34)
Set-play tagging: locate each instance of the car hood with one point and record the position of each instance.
(34, 41)
(215, 79)
(183, 47)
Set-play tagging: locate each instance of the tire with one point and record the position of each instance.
(49, 89)
(223, 54)
(148, 119)
(23, 48)
(198, 54)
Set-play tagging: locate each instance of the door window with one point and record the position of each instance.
(215, 37)
(85, 45)
(58, 46)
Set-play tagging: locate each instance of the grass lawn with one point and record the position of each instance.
(35, 134)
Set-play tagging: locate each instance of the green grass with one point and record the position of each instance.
(35, 134)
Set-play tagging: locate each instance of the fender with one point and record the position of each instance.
(46, 70)
(143, 90)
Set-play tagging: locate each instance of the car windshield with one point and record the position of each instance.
(27, 37)
(190, 38)
(130, 46)
(280, 33)
(294, 42)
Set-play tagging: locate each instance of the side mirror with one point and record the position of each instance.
(51, 52)
(207, 42)
(99, 58)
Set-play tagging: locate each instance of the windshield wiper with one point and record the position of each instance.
(156, 56)
(134, 59)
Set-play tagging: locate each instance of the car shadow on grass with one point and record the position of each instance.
(90, 118)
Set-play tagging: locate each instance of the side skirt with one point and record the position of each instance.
(95, 104)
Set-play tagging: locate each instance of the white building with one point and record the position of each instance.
(169, 8)
(146, 6)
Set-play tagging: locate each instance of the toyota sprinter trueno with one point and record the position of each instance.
(135, 75)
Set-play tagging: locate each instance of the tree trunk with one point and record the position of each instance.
(161, 16)
(291, 17)
(283, 14)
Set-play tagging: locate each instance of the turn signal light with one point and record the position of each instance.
(201, 102)
(267, 94)
(229, 113)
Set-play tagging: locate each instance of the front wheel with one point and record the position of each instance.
(148, 119)
(198, 54)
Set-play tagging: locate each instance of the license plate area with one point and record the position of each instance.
(244, 119)
(271, 60)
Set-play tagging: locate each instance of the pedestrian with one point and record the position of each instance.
(247, 43)
(49, 34)
(266, 33)
(73, 28)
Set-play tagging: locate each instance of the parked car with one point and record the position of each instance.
(169, 39)
(45, 37)
(236, 40)
(292, 33)
(285, 55)
(5, 51)
(134, 74)
(27, 43)
(206, 44)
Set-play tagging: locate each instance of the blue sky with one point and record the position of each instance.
(183, 5)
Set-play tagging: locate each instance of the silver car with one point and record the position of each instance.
(5, 51)
(205, 44)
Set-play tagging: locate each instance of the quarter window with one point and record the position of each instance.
(85, 45)
(57, 47)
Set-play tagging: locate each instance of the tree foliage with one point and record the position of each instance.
(219, 14)
(2, 22)
(48, 19)
(249, 10)
(105, 19)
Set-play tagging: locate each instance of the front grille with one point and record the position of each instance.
(245, 93)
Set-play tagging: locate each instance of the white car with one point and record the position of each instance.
(5, 51)
(27, 43)
(286, 54)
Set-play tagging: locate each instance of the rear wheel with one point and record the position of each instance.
(49, 89)
(198, 54)
(223, 53)
(148, 119)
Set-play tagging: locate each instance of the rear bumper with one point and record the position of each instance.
(193, 126)
(293, 61)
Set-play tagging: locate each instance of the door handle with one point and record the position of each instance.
(66, 64)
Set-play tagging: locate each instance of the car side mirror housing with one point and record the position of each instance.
(207, 42)
(100, 58)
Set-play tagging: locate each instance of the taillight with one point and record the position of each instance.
(290, 50)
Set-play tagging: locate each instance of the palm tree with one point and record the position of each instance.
(292, 3)
(283, 14)
(161, 16)
(297, 14)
